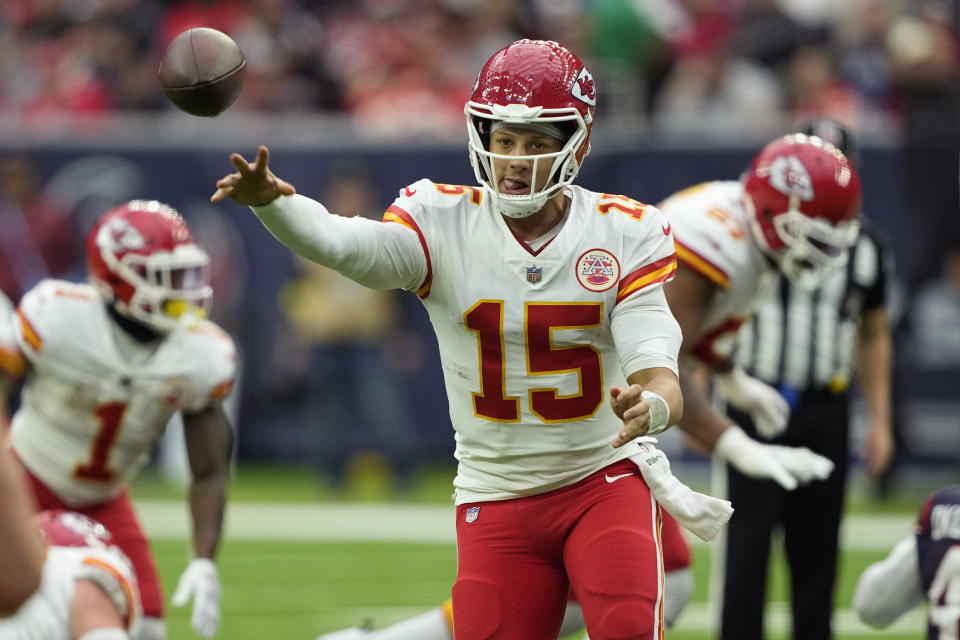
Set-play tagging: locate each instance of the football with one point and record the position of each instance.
(202, 71)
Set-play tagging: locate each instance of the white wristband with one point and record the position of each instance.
(659, 412)
(105, 633)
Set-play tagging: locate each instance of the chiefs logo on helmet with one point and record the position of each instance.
(119, 235)
(584, 88)
(789, 177)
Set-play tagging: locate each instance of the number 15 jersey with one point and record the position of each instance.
(529, 340)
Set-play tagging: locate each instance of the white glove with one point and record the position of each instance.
(788, 466)
(200, 582)
(702, 514)
(770, 412)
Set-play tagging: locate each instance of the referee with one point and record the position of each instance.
(808, 343)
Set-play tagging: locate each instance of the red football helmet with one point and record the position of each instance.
(64, 528)
(143, 259)
(802, 198)
(533, 83)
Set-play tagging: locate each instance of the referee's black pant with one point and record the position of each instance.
(809, 517)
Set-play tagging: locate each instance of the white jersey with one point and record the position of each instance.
(46, 614)
(712, 238)
(526, 339)
(90, 413)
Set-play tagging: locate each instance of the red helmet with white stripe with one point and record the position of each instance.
(539, 84)
(802, 198)
(143, 259)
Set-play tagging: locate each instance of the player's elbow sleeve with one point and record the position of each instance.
(871, 611)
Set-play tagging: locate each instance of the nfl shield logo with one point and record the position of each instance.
(533, 274)
(472, 514)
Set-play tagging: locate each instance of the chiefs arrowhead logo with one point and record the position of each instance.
(409, 192)
(666, 229)
(119, 235)
(584, 89)
(790, 177)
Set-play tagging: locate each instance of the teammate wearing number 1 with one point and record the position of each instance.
(107, 364)
(557, 345)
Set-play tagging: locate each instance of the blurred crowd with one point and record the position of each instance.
(389, 63)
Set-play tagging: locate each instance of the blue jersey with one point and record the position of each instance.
(938, 558)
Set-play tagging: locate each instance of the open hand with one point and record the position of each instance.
(630, 407)
(253, 183)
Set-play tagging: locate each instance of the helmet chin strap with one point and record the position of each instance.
(132, 327)
(518, 209)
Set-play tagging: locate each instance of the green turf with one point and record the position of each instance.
(296, 590)
(289, 590)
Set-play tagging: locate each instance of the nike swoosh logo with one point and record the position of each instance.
(410, 192)
(666, 229)
(615, 478)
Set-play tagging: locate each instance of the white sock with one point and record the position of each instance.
(431, 625)
(677, 587)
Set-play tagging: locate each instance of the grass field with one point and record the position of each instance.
(298, 559)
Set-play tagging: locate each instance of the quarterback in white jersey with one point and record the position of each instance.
(88, 590)
(108, 365)
(545, 298)
(795, 211)
(549, 314)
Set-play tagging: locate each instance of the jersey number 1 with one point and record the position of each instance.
(110, 417)
(540, 320)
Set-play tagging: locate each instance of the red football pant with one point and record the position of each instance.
(118, 516)
(674, 547)
(516, 560)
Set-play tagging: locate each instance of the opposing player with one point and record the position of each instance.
(108, 365)
(924, 566)
(541, 294)
(88, 590)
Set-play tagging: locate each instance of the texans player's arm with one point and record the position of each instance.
(21, 550)
(209, 441)
(889, 588)
(689, 296)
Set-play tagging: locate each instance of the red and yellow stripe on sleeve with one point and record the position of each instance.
(29, 333)
(659, 271)
(124, 583)
(701, 265)
(399, 216)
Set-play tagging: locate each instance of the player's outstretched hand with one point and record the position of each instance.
(630, 406)
(201, 583)
(253, 183)
(787, 466)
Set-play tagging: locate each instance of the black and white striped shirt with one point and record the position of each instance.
(806, 339)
